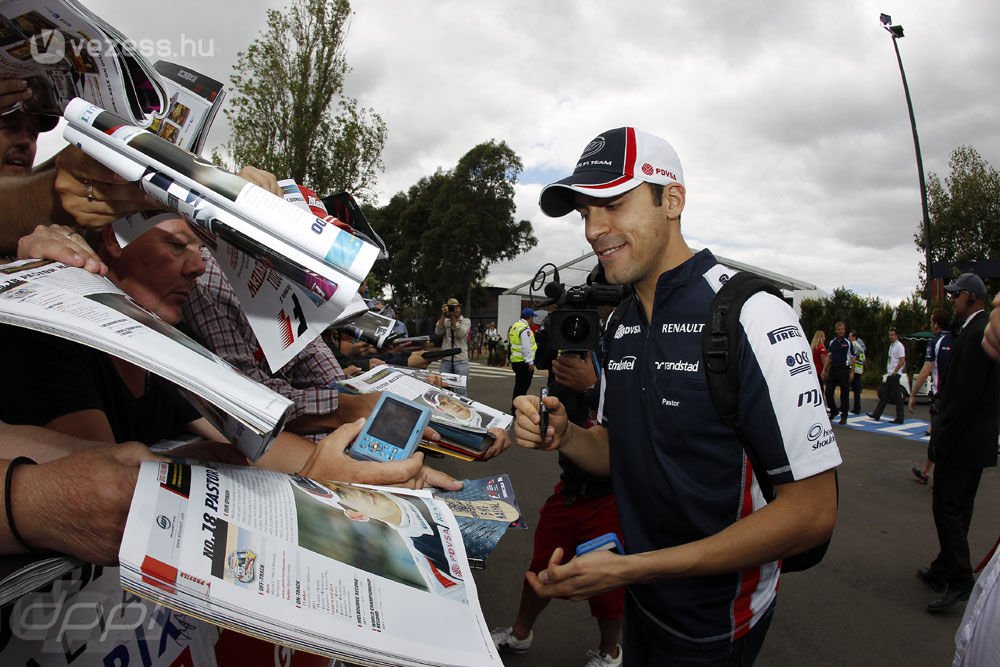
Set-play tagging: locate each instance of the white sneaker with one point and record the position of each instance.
(598, 659)
(504, 639)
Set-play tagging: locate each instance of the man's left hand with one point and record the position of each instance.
(417, 360)
(61, 244)
(330, 461)
(499, 445)
(582, 577)
(351, 407)
(92, 194)
(574, 372)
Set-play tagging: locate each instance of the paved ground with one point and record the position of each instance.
(862, 606)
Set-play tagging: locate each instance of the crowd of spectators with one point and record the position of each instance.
(85, 415)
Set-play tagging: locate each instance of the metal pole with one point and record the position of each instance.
(920, 174)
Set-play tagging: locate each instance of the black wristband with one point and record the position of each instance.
(6, 499)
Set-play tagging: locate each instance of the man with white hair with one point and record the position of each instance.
(88, 394)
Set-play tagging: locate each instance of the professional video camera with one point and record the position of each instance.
(575, 325)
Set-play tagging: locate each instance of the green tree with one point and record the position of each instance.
(446, 231)
(964, 211)
(287, 110)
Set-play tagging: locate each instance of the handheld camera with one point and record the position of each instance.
(575, 325)
(392, 431)
(605, 542)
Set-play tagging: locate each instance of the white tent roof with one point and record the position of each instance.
(575, 272)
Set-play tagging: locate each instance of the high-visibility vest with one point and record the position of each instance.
(859, 356)
(514, 336)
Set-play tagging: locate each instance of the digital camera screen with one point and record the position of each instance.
(394, 423)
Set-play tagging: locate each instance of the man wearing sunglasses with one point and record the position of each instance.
(963, 442)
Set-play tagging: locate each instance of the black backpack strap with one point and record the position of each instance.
(719, 351)
(719, 347)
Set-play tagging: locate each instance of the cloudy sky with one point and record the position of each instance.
(789, 116)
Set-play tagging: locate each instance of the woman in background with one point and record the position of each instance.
(819, 358)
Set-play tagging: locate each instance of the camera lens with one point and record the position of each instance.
(576, 329)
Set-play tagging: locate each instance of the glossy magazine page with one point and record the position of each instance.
(375, 576)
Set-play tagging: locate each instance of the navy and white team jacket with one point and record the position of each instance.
(680, 474)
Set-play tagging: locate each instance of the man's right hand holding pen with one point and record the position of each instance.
(586, 447)
(528, 419)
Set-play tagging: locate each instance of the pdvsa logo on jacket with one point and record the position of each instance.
(623, 330)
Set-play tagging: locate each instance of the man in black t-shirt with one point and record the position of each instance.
(83, 392)
(582, 506)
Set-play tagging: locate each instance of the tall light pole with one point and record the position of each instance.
(896, 31)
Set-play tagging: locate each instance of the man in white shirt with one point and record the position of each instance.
(894, 369)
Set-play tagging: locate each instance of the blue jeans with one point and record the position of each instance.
(458, 367)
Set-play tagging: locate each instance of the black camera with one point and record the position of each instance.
(451, 308)
(575, 325)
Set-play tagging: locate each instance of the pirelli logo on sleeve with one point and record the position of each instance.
(782, 334)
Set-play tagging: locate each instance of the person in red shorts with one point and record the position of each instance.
(582, 507)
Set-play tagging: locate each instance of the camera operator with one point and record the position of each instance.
(581, 507)
(455, 331)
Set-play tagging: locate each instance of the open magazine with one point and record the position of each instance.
(274, 238)
(373, 328)
(283, 315)
(328, 261)
(461, 421)
(86, 308)
(63, 51)
(484, 508)
(450, 381)
(374, 576)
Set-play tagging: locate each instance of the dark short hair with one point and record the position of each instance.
(941, 317)
(892, 329)
(657, 189)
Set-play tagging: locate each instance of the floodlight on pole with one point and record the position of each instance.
(896, 31)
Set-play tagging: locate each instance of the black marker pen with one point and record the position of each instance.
(543, 412)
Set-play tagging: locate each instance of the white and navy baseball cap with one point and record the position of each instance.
(614, 162)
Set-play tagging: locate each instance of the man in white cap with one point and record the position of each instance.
(703, 548)
(963, 442)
